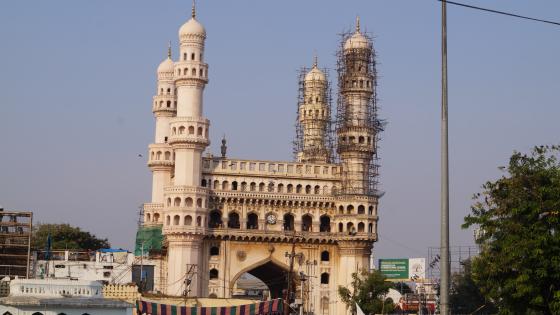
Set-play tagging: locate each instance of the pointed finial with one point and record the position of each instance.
(169, 50)
(315, 60)
(193, 10)
(357, 23)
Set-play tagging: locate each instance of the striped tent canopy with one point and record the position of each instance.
(273, 307)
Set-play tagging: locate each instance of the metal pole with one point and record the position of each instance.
(444, 246)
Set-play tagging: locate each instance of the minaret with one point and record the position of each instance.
(356, 121)
(186, 200)
(314, 117)
(161, 154)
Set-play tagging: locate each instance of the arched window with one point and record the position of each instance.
(349, 209)
(280, 188)
(176, 220)
(193, 71)
(203, 183)
(234, 185)
(252, 221)
(308, 189)
(177, 202)
(317, 190)
(198, 221)
(184, 56)
(306, 223)
(168, 220)
(261, 187)
(361, 227)
(188, 220)
(214, 251)
(370, 228)
(188, 202)
(350, 227)
(199, 131)
(216, 184)
(199, 202)
(233, 220)
(215, 219)
(324, 278)
(361, 139)
(225, 185)
(243, 186)
(201, 73)
(325, 225)
(325, 255)
(361, 209)
(191, 130)
(181, 130)
(298, 189)
(213, 273)
(370, 210)
(340, 227)
(167, 155)
(252, 187)
(288, 222)
(341, 209)
(168, 104)
(290, 188)
(156, 217)
(192, 56)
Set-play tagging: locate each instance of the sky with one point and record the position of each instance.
(77, 79)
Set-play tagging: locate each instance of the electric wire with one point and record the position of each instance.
(500, 12)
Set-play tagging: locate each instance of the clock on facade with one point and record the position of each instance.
(271, 218)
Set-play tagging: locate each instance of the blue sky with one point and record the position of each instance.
(77, 78)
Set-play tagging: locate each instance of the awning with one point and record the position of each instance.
(272, 307)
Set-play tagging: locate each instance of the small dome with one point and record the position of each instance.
(166, 66)
(315, 74)
(357, 41)
(192, 27)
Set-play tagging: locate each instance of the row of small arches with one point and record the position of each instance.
(183, 130)
(193, 72)
(188, 202)
(318, 114)
(213, 274)
(167, 91)
(168, 104)
(262, 187)
(356, 83)
(350, 209)
(162, 155)
(193, 55)
(187, 220)
(352, 139)
(215, 251)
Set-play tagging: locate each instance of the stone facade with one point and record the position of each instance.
(224, 217)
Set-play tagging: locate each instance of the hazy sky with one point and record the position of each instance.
(77, 79)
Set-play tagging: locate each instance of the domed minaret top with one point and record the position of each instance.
(166, 67)
(357, 40)
(192, 29)
(315, 74)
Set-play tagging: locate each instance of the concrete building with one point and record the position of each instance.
(105, 265)
(222, 217)
(59, 296)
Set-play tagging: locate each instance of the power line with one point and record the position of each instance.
(500, 12)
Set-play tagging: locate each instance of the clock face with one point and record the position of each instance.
(271, 218)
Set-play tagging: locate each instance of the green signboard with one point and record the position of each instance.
(394, 269)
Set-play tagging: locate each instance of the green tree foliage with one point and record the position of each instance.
(465, 297)
(518, 216)
(368, 290)
(64, 236)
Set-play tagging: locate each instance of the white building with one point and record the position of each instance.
(105, 265)
(59, 296)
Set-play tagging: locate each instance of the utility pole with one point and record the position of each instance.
(444, 245)
(291, 256)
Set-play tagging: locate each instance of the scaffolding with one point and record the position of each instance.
(357, 123)
(15, 243)
(458, 255)
(314, 133)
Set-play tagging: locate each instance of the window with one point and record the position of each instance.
(106, 274)
(325, 255)
(361, 209)
(306, 223)
(203, 183)
(187, 220)
(214, 251)
(252, 221)
(261, 187)
(288, 222)
(192, 56)
(176, 219)
(280, 188)
(234, 185)
(361, 227)
(349, 209)
(324, 278)
(215, 219)
(290, 188)
(233, 220)
(298, 189)
(308, 189)
(325, 225)
(213, 274)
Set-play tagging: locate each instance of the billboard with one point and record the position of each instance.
(405, 269)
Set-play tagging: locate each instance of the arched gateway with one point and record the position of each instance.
(221, 218)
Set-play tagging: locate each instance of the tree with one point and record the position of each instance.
(518, 216)
(368, 290)
(64, 236)
(465, 296)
